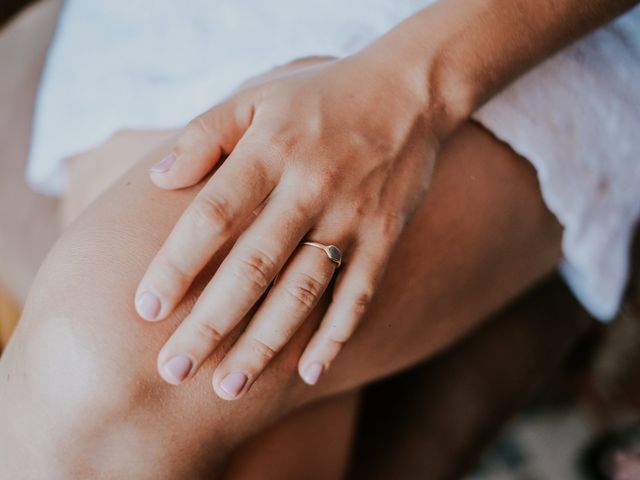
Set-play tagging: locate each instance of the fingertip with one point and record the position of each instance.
(164, 165)
(162, 181)
(168, 174)
(148, 306)
(161, 173)
(176, 369)
(310, 374)
(232, 386)
(187, 169)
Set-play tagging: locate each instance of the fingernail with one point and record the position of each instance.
(312, 373)
(233, 383)
(165, 164)
(148, 306)
(177, 368)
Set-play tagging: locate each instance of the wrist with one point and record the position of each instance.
(441, 92)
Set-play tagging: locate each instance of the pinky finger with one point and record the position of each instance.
(354, 290)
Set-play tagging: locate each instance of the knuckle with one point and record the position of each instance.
(213, 212)
(263, 349)
(392, 225)
(305, 290)
(198, 127)
(201, 136)
(256, 269)
(337, 338)
(338, 333)
(175, 271)
(303, 208)
(208, 333)
(361, 301)
(318, 186)
(322, 184)
(285, 144)
(304, 203)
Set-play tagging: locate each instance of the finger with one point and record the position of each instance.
(238, 284)
(239, 186)
(287, 305)
(353, 293)
(203, 142)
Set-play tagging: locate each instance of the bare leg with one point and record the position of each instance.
(91, 175)
(535, 334)
(83, 366)
(326, 426)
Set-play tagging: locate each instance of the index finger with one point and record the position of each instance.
(236, 189)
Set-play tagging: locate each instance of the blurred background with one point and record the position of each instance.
(10, 7)
(9, 310)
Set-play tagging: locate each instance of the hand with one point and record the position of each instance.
(339, 152)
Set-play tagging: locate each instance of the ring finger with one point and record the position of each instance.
(288, 304)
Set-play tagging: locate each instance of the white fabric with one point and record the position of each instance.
(157, 63)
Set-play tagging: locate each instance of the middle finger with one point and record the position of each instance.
(238, 284)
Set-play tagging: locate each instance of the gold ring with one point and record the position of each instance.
(333, 252)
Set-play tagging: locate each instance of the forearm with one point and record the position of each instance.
(458, 53)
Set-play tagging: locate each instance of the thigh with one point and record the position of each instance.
(481, 237)
(91, 173)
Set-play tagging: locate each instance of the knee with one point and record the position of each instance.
(81, 368)
(84, 365)
(82, 346)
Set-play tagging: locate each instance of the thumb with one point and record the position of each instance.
(203, 142)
